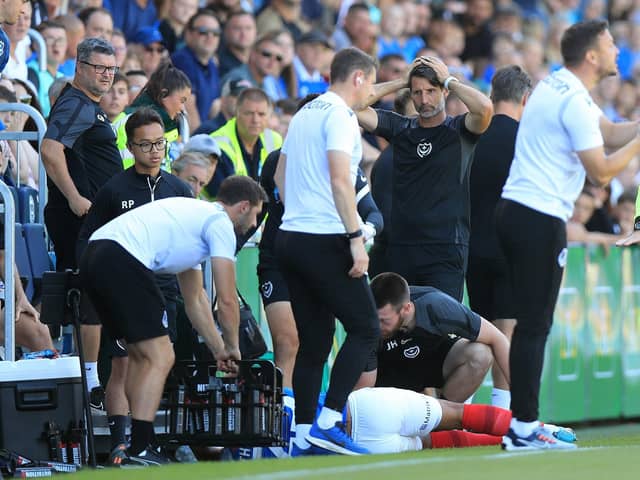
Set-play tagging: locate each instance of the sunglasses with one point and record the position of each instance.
(156, 49)
(267, 54)
(207, 31)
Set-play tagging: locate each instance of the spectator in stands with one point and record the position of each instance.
(287, 82)
(172, 26)
(172, 236)
(282, 14)
(357, 24)
(196, 60)
(392, 67)
(245, 140)
(119, 46)
(29, 331)
(228, 101)
(10, 13)
(97, 22)
(75, 34)
(393, 38)
(478, 35)
(56, 41)
(132, 15)
(56, 88)
(583, 210)
(80, 155)
(152, 50)
(113, 103)
(14, 121)
(239, 35)
(307, 62)
(19, 44)
(263, 67)
(624, 213)
(167, 92)
(137, 80)
(195, 169)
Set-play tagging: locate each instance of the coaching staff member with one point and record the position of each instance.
(429, 234)
(488, 281)
(79, 153)
(562, 134)
(321, 251)
(140, 184)
(170, 236)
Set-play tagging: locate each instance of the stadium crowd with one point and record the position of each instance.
(205, 91)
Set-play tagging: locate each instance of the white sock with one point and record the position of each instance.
(501, 398)
(523, 429)
(91, 370)
(328, 418)
(302, 430)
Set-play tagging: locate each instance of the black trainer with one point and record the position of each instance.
(151, 457)
(96, 398)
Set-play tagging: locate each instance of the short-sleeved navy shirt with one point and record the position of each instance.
(89, 142)
(430, 182)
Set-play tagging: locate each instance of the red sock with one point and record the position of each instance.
(460, 439)
(486, 419)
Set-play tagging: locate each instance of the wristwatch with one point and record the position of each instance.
(636, 224)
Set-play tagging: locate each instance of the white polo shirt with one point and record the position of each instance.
(173, 234)
(559, 120)
(324, 124)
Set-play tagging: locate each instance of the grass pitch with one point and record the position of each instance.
(605, 453)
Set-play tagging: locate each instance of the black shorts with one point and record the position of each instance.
(64, 228)
(398, 367)
(124, 292)
(489, 288)
(273, 287)
(442, 266)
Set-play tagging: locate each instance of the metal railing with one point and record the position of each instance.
(9, 260)
(36, 37)
(38, 136)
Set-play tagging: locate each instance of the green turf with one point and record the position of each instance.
(605, 453)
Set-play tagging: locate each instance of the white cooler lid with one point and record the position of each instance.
(40, 369)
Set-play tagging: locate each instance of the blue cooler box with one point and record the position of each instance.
(36, 398)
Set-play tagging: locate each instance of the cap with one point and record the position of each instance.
(314, 36)
(234, 87)
(147, 36)
(203, 143)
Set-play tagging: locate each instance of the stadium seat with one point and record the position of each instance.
(22, 261)
(38, 255)
(27, 205)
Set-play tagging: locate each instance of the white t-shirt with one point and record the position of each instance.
(324, 124)
(173, 234)
(559, 120)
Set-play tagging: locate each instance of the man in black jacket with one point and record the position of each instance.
(144, 182)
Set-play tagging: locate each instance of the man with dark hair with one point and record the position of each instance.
(245, 140)
(317, 188)
(97, 22)
(239, 35)
(196, 60)
(143, 183)
(431, 340)
(488, 281)
(170, 236)
(432, 158)
(561, 138)
(80, 155)
(357, 24)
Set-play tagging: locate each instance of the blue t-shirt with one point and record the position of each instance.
(4, 49)
(205, 81)
(129, 17)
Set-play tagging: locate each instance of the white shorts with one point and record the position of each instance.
(392, 420)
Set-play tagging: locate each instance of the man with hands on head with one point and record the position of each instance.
(429, 231)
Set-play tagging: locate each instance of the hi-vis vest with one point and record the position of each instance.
(230, 145)
(121, 142)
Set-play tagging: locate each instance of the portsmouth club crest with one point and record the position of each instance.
(424, 149)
